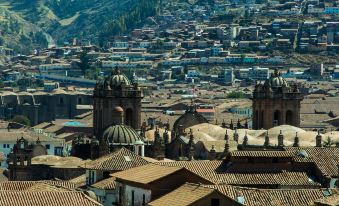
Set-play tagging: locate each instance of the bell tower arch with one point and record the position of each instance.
(276, 103)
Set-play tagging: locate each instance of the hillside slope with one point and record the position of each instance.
(66, 19)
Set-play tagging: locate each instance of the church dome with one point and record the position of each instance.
(121, 134)
(277, 80)
(116, 79)
(190, 118)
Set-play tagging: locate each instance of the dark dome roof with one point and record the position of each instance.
(190, 118)
(277, 80)
(120, 134)
(116, 79)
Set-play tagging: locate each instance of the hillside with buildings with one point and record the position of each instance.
(169, 103)
(61, 21)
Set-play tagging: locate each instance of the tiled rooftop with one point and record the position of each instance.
(272, 197)
(120, 160)
(50, 198)
(106, 184)
(146, 174)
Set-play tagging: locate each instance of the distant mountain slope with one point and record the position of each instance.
(19, 34)
(65, 19)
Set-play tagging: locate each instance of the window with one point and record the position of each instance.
(92, 176)
(143, 200)
(120, 195)
(48, 146)
(58, 151)
(215, 202)
(61, 100)
(132, 201)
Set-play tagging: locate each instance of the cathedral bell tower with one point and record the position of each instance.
(276, 103)
(116, 101)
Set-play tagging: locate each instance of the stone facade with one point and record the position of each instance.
(42, 107)
(112, 92)
(276, 103)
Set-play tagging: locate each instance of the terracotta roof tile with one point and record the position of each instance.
(79, 181)
(187, 194)
(120, 160)
(262, 154)
(272, 197)
(29, 198)
(325, 159)
(280, 178)
(147, 173)
(216, 172)
(329, 201)
(30, 136)
(26, 185)
(106, 184)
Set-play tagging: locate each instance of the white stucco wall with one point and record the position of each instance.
(138, 194)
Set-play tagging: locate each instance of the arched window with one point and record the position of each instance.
(261, 120)
(257, 119)
(289, 117)
(129, 117)
(277, 118)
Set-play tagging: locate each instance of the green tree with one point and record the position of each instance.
(84, 62)
(236, 95)
(328, 142)
(21, 119)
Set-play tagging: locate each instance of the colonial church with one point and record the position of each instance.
(117, 117)
(116, 101)
(276, 103)
(117, 122)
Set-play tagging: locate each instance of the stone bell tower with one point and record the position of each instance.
(276, 103)
(116, 101)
